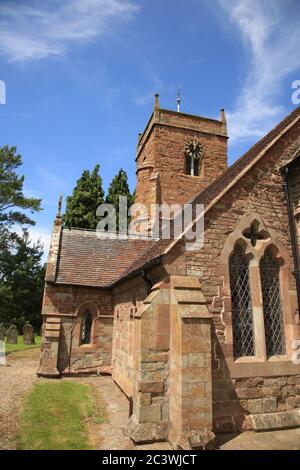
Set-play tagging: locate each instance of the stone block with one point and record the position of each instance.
(196, 359)
(149, 414)
(273, 421)
(253, 406)
(203, 440)
(254, 381)
(158, 375)
(152, 387)
(159, 400)
(147, 432)
(165, 412)
(144, 399)
(193, 390)
(290, 403)
(269, 405)
(153, 366)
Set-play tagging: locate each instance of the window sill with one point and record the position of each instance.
(256, 359)
(85, 347)
(191, 176)
(248, 359)
(255, 367)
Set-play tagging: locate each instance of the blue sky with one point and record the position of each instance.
(81, 74)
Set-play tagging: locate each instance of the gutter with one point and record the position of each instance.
(137, 272)
(295, 249)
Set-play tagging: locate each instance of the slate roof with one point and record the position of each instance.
(86, 259)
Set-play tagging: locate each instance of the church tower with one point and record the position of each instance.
(179, 155)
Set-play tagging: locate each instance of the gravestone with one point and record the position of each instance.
(28, 336)
(12, 335)
(2, 332)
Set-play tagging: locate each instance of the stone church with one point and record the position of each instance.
(201, 342)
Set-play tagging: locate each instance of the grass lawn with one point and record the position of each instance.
(54, 416)
(20, 346)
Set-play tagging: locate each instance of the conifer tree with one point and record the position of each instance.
(21, 282)
(119, 187)
(87, 195)
(13, 202)
(21, 271)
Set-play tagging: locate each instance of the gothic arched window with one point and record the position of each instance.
(86, 327)
(273, 318)
(242, 316)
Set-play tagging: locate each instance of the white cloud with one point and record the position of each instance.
(42, 29)
(272, 38)
(39, 234)
(42, 234)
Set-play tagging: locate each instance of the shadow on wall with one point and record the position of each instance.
(228, 415)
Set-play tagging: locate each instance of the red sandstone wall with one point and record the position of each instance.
(259, 192)
(176, 186)
(128, 299)
(295, 193)
(68, 301)
(161, 151)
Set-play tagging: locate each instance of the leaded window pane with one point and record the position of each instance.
(274, 331)
(188, 165)
(242, 316)
(86, 327)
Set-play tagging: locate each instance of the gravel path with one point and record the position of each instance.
(15, 379)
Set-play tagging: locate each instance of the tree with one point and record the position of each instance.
(21, 282)
(21, 273)
(11, 195)
(119, 187)
(86, 197)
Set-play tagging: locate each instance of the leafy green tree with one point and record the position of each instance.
(21, 282)
(87, 195)
(119, 187)
(12, 200)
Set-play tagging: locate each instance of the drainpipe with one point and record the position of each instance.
(285, 173)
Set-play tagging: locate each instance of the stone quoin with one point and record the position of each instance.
(201, 342)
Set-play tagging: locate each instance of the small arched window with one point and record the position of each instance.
(194, 152)
(273, 318)
(86, 327)
(242, 316)
(192, 166)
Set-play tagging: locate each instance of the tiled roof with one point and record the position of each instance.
(87, 260)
